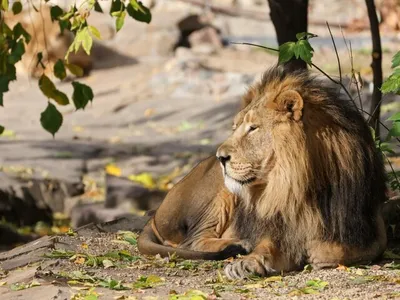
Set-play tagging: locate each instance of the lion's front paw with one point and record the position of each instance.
(243, 268)
(242, 247)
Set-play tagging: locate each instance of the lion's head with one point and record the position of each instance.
(300, 147)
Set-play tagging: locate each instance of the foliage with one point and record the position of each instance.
(14, 40)
(300, 49)
(392, 83)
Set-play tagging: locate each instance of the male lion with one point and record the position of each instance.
(307, 180)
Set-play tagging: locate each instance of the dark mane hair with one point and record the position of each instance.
(332, 166)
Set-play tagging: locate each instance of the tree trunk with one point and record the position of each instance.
(376, 66)
(289, 17)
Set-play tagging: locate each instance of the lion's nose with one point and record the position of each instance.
(223, 158)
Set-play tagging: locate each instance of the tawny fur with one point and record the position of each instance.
(326, 183)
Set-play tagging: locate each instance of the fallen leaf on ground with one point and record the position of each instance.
(113, 170)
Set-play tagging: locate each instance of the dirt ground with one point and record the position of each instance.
(108, 266)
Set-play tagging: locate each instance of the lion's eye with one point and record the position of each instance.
(252, 128)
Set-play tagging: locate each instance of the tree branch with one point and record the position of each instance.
(376, 65)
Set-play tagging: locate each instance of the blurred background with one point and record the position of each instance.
(165, 94)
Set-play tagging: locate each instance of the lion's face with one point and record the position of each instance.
(247, 155)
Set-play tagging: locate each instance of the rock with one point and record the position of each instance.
(18, 203)
(26, 254)
(204, 49)
(205, 36)
(190, 24)
(128, 223)
(120, 190)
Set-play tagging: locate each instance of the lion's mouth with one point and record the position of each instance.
(242, 182)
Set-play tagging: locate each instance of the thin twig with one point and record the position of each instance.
(380, 102)
(391, 167)
(337, 54)
(276, 50)
(353, 75)
(44, 33)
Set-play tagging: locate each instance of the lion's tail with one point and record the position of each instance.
(148, 244)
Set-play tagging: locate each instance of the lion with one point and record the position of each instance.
(307, 183)
(47, 38)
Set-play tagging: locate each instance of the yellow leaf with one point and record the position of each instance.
(144, 178)
(3, 283)
(149, 112)
(77, 129)
(254, 286)
(360, 272)
(273, 279)
(113, 170)
(342, 268)
(84, 246)
(80, 261)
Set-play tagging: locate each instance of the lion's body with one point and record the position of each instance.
(196, 218)
(46, 38)
(308, 179)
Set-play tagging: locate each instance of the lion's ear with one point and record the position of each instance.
(290, 102)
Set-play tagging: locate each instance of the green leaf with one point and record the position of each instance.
(97, 7)
(64, 25)
(46, 86)
(304, 51)
(84, 37)
(396, 60)
(95, 32)
(59, 70)
(395, 130)
(17, 8)
(395, 117)
(286, 52)
(56, 12)
(49, 90)
(137, 5)
(74, 69)
(16, 53)
(138, 11)
(5, 30)
(117, 5)
(82, 95)
(60, 97)
(18, 31)
(1, 129)
(4, 4)
(305, 35)
(51, 119)
(385, 147)
(392, 84)
(119, 22)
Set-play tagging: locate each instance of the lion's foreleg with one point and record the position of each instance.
(266, 259)
(219, 244)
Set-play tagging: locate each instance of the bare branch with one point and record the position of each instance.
(337, 54)
(353, 75)
(376, 64)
